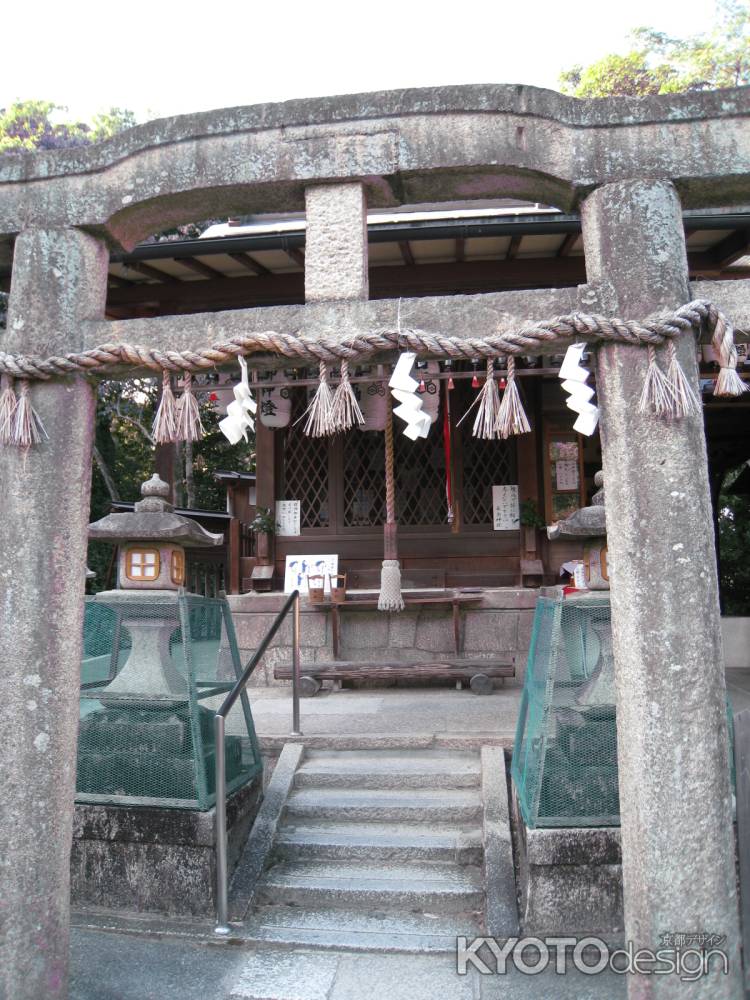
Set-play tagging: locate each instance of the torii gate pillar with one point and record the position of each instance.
(675, 801)
(59, 281)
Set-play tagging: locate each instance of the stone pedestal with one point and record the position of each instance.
(144, 859)
(149, 669)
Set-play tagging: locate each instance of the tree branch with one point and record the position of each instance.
(106, 475)
(135, 422)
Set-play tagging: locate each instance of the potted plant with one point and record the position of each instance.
(264, 527)
(531, 521)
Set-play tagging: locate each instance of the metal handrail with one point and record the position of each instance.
(222, 887)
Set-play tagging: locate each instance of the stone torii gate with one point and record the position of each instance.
(629, 167)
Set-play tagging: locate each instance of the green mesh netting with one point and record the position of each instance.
(564, 765)
(148, 699)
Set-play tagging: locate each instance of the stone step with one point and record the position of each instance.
(422, 887)
(360, 930)
(380, 805)
(389, 769)
(380, 842)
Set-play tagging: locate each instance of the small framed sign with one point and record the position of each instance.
(298, 568)
(287, 518)
(505, 513)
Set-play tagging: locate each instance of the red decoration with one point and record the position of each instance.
(450, 382)
(475, 382)
(422, 387)
(213, 397)
(502, 383)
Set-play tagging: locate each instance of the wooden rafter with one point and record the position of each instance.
(115, 279)
(460, 251)
(406, 252)
(297, 255)
(567, 244)
(249, 263)
(730, 249)
(513, 247)
(151, 272)
(205, 270)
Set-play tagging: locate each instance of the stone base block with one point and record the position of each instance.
(569, 879)
(146, 859)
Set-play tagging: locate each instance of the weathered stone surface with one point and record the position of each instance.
(402, 630)
(335, 243)
(501, 910)
(59, 280)
(364, 630)
(525, 624)
(507, 598)
(574, 846)
(678, 855)
(415, 146)
(256, 851)
(155, 860)
(435, 632)
(252, 629)
(455, 315)
(570, 880)
(491, 631)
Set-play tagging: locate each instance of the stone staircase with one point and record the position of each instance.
(380, 850)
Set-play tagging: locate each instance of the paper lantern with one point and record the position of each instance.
(431, 396)
(373, 404)
(274, 406)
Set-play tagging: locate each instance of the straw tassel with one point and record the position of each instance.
(8, 404)
(28, 428)
(658, 395)
(345, 411)
(319, 423)
(189, 426)
(165, 422)
(511, 418)
(684, 402)
(488, 414)
(729, 382)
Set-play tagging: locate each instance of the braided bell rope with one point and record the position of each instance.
(533, 338)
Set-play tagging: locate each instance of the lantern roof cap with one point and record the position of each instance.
(153, 520)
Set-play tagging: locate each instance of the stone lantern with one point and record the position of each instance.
(152, 540)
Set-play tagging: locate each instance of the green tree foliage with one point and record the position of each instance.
(659, 64)
(734, 541)
(124, 456)
(28, 125)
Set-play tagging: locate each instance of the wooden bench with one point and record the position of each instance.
(479, 673)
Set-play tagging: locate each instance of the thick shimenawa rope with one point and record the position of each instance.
(535, 338)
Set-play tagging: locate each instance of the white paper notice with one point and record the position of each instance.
(287, 517)
(505, 514)
(566, 475)
(298, 568)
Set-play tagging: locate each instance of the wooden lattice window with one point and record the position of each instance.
(306, 468)
(364, 479)
(485, 464)
(420, 478)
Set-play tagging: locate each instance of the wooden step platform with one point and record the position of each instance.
(479, 673)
